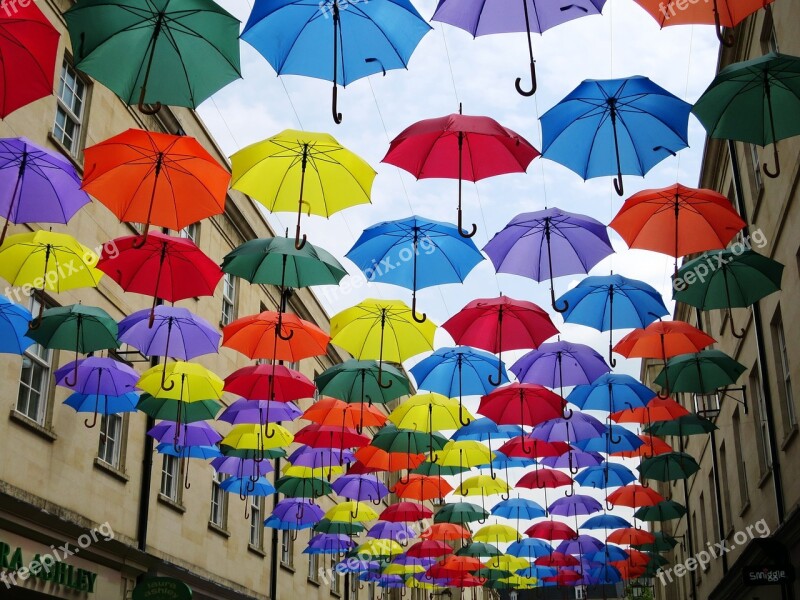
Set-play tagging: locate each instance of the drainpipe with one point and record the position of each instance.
(147, 479)
(758, 326)
(273, 558)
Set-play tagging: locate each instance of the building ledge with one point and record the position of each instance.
(170, 503)
(256, 550)
(45, 433)
(111, 470)
(745, 508)
(288, 568)
(791, 435)
(221, 531)
(764, 477)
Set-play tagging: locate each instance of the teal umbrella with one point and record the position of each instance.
(690, 424)
(700, 372)
(670, 466)
(178, 52)
(666, 510)
(357, 381)
(663, 543)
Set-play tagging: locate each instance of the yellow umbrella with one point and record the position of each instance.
(257, 437)
(290, 470)
(507, 562)
(482, 485)
(496, 534)
(381, 330)
(397, 569)
(414, 583)
(464, 453)
(519, 582)
(379, 547)
(44, 260)
(304, 172)
(351, 511)
(428, 412)
(184, 381)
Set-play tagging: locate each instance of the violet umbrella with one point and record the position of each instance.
(580, 545)
(360, 488)
(579, 427)
(559, 364)
(579, 504)
(293, 514)
(386, 530)
(574, 460)
(97, 377)
(37, 185)
(329, 543)
(549, 243)
(245, 411)
(236, 466)
(185, 434)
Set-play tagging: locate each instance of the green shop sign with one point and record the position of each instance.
(14, 570)
(162, 588)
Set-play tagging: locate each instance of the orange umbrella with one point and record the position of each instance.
(677, 220)
(653, 446)
(627, 570)
(453, 565)
(330, 411)
(445, 532)
(156, 179)
(379, 460)
(634, 496)
(275, 336)
(658, 409)
(423, 487)
(631, 536)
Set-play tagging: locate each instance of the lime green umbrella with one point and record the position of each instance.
(303, 487)
(663, 543)
(727, 279)
(338, 527)
(460, 513)
(667, 510)
(700, 372)
(755, 101)
(690, 424)
(177, 52)
(670, 466)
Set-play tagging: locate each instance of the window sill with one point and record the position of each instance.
(221, 531)
(764, 477)
(745, 508)
(256, 550)
(169, 502)
(313, 582)
(288, 568)
(789, 438)
(45, 433)
(77, 163)
(336, 594)
(111, 470)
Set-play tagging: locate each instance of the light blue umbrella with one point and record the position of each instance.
(605, 521)
(611, 393)
(14, 321)
(529, 548)
(615, 439)
(518, 509)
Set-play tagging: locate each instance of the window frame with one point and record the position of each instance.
(229, 282)
(256, 535)
(175, 496)
(46, 363)
(784, 374)
(219, 499)
(313, 563)
(75, 148)
(336, 578)
(287, 549)
(191, 232)
(760, 422)
(117, 460)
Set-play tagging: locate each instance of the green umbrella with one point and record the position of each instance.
(338, 527)
(686, 425)
(663, 511)
(178, 52)
(727, 279)
(302, 487)
(357, 381)
(656, 560)
(436, 470)
(479, 550)
(460, 513)
(670, 466)
(755, 101)
(167, 409)
(254, 453)
(492, 574)
(81, 328)
(700, 372)
(662, 543)
(408, 441)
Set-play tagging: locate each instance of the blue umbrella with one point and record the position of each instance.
(244, 486)
(201, 452)
(14, 321)
(604, 574)
(103, 404)
(539, 573)
(615, 439)
(610, 553)
(529, 548)
(605, 522)
(414, 253)
(304, 37)
(605, 476)
(484, 429)
(518, 508)
(615, 126)
(610, 393)
(613, 302)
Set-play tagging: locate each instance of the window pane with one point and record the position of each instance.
(110, 439)
(34, 378)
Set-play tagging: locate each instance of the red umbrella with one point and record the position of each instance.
(460, 147)
(631, 536)
(653, 446)
(405, 512)
(262, 382)
(627, 570)
(160, 266)
(677, 221)
(429, 549)
(551, 530)
(328, 436)
(563, 578)
(28, 45)
(498, 324)
(634, 496)
(529, 447)
(541, 479)
(658, 409)
(466, 580)
(522, 404)
(373, 459)
(557, 559)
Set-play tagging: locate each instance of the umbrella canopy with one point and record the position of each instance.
(194, 434)
(190, 382)
(605, 475)
(634, 496)
(326, 436)
(405, 512)
(329, 411)
(461, 513)
(357, 381)
(391, 531)
(338, 527)
(478, 550)
(578, 428)
(670, 466)
(429, 412)
(329, 543)
(36, 184)
(269, 382)
(76, 327)
(518, 508)
(578, 504)
(137, 49)
(605, 521)
(429, 549)
(299, 171)
(663, 339)
(275, 336)
(377, 459)
(658, 409)
(360, 487)
(524, 404)
(753, 101)
(496, 533)
(303, 487)
(103, 404)
(559, 364)
(550, 530)
(457, 371)
(99, 376)
(155, 178)
(527, 245)
(423, 253)
(446, 532)
(574, 459)
(293, 514)
(700, 372)
(422, 487)
(14, 322)
(530, 548)
(610, 393)
(686, 425)
(663, 511)
(175, 333)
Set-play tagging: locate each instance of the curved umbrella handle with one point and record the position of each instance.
(460, 414)
(518, 83)
(92, 423)
(609, 506)
(337, 116)
(138, 243)
(525, 450)
(405, 481)
(505, 496)
(574, 469)
(37, 322)
(499, 380)
(164, 385)
(294, 535)
(423, 317)
(614, 439)
(285, 338)
(570, 411)
(385, 385)
(777, 171)
(553, 302)
(739, 335)
(300, 242)
(619, 187)
(570, 492)
(74, 382)
(726, 41)
(142, 108)
(461, 231)
(186, 483)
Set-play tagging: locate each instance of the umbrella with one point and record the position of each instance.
(729, 279)
(582, 544)
(44, 260)
(103, 404)
(579, 428)
(669, 466)
(615, 126)
(690, 424)
(484, 429)
(700, 372)
(605, 521)
(634, 496)
(534, 16)
(329, 411)
(422, 487)
(574, 460)
(479, 550)
(405, 512)
(498, 324)
(753, 101)
(98, 376)
(14, 323)
(324, 458)
(578, 242)
(379, 548)
(610, 393)
(663, 511)
(36, 184)
(294, 514)
(325, 436)
(29, 48)
(542, 479)
(463, 454)
(303, 487)
(615, 438)
(529, 548)
(613, 302)
(175, 333)
(338, 527)
(527, 446)
(169, 268)
(360, 487)
(550, 531)
(559, 364)
(483, 485)
(254, 439)
(677, 221)
(518, 509)
(661, 542)
(631, 536)
(651, 446)
(187, 384)
(299, 38)
(558, 559)
(329, 543)
(267, 381)
(605, 475)
(177, 53)
(578, 504)
(378, 459)
(429, 549)
(155, 178)
(422, 253)
(391, 531)
(240, 467)
(445, 532)
(460, 147)
(185, 434)
(275, 336)
(299, 170)
(461, 513)
(382, 329)
(497, 533)
(658, 409)
(428, 412)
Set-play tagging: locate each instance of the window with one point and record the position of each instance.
(727, 515)
(34, 380)
(109, 450)
(313, 563)
(760, 419)
(287, 548)
(352, 589)
(336, 583)
(71, 98)
(744, 494)
(784, 374)
(191, 232)
(219, 502)
(170, 477)
(702, 538)
(256, 522)
(228, 299)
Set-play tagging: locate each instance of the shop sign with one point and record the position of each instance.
(162, 588)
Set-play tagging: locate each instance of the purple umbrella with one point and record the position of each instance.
(100, 376)
(559, 364)
(573, 460)
(530, 242)
(294, 514)
(241, 467)
(37, 185)
(572, 506)
(187, 434)
(579, 427)
(320, 458)
(384, 530)
(414, 561)
(329, 543)
(170, 332)
(580, 545)
(255, 411)
(360, 487)
(391, 581)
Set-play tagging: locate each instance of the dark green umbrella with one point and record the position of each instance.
(663, 511)
(178, 52)
(167, 409)
(730, 279)
(479, 550)
(492, 574)
(755, 101)
(670, 466)
(77, 327)
(460, 513)
(254, 453)
(357, 381)
(701, 372)
(338, 527)
(436, 470)
(656, 560)
(662, 543)
(303, 487)
(686, 425)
